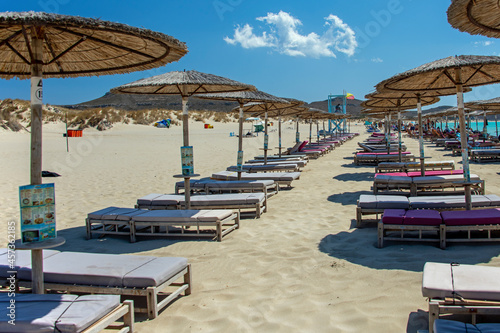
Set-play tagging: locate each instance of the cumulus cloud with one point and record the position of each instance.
(283, 35)
(484, 43)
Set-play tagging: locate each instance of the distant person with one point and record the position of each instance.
(337, 108)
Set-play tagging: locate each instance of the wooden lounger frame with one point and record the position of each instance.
(438, 307)
(374, 160)
(416, 167)
(415, 189)
(134, 228)
(441, 229)
(484, 156)
(153, 294)
(124, 310)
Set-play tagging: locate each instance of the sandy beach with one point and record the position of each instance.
(302, 267)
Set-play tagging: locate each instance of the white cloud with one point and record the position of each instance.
(284, 36)
(377, 60)
(483, 43)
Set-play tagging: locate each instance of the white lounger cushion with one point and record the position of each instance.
(55, 312)
(388, 179)
(23, 259)
(107, 269)
(369, 201)
(442, 179)
(202, 200)
(276, 176)
(183, 215)
(453, 201)
(469, 281)
(115, 213)
(452, 326)
(212, 183)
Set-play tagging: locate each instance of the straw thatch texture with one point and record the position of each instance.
(243, 96)
(475, 17)
(75, 46)
(261, 108)
(390, 101)
(185, 83)
(440, 75)
(489, 104)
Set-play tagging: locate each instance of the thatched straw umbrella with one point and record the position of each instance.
(475, 17)
(448, 73)
(37, 45)
(185, 84)
(401, 101)
(242, 97)
(264, 108)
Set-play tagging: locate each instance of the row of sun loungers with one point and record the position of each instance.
(159, 280)
(210, 186)
(485, 155)
(431, 225)
(376, 204)
(282, 178)
(252, 168)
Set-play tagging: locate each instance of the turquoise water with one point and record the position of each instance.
(490, 127)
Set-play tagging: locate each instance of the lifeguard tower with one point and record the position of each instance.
(336, 106)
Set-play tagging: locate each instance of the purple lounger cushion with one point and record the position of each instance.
(436, 173)
(422, 217)
(393, 216)
(472, 217)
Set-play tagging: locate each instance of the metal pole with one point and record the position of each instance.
(297, 133)
(266, 138)
(279, 137)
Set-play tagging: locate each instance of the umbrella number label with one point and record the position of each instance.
(187, 160)
(36, 90)
(239, 162)
(297, 137)
(266, 141)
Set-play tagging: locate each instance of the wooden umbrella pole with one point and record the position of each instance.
(463, 137)
(185, 135)
(317, 131)
(266, 138)
(420, 135)
(400, 148)
(485, 128)
(297, 133)
(310, 129)
(496, 124)
(67, 142)
(36, 144)
(240, 138)
(279, 136)
(389, 133)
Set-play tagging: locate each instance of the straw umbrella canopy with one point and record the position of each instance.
(475, 17)
(37, 45)
(242, 97)
(449, 73)
(186, 84)
(402, 101)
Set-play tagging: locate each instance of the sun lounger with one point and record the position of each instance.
(161, 223)
(478, 225)
(210, 186)
(253, 204)
(379, 148)
(376, 204)
(385, 167)
(65, 313)
(253, 168)
(485, 155)
(282, 178)
(376, 158)
(95, 273)
(298, 161)
(460, 289)
(283, 157)
(413, 186)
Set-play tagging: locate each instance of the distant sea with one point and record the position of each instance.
(491, 127)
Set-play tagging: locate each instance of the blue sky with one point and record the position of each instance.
(299, 49)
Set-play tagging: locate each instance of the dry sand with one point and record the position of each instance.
(302, 267)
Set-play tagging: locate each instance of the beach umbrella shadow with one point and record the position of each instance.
(358, 176)
(417, 321)
(347, 198)
(354, 166)
(359, 246)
